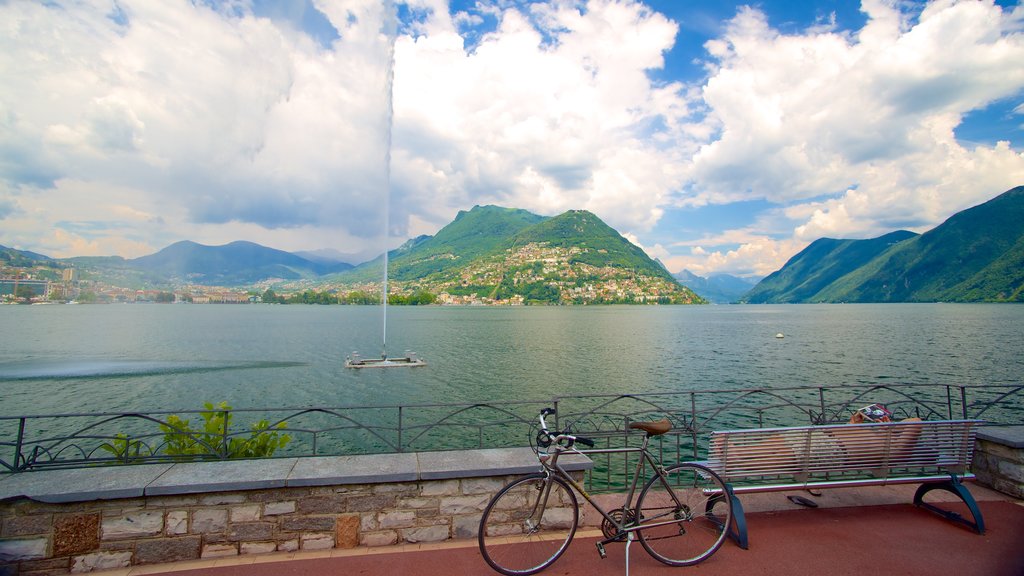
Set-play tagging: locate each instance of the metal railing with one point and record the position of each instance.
(77, 440)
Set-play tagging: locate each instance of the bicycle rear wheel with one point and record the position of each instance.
(688, 514)
(528, 524)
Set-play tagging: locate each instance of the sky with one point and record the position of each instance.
(721, 137)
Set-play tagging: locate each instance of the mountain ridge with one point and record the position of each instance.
(976, 255)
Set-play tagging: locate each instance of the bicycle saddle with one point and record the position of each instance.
(656, 428)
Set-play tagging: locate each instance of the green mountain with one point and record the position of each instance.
(977, 255)
(235, 264)
(819, 265)
(20, 258)
(504, 254)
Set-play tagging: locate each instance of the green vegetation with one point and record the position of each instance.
(214, 438)
(975, 256)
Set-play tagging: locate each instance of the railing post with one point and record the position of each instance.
(18, 458)
(963, 401)
(400, 449)
(224, 436)
(693, 424)
(821, 405)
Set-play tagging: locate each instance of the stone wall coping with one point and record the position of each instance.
(1010, 436)
(114, 482)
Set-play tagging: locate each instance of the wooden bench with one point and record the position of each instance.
(935, 454)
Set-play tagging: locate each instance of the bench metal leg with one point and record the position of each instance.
(738, 528)
(956, 487)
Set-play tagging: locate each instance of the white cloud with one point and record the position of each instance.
(223, 125)
(213, 117)
(550, 112)
(872, 114)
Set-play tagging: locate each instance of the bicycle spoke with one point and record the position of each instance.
(528, 525)
(684, 521)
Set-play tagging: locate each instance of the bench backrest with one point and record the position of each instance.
(827, 453)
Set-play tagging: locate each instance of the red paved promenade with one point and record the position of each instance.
(854, 532)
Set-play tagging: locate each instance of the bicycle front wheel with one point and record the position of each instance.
(684, 516)
(528, 524)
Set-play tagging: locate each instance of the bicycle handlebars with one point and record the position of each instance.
(552, 438)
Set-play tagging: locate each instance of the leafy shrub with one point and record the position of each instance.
(214, 439)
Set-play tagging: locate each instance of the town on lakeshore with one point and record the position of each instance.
(547, 269)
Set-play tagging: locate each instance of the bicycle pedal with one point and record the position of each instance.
(600, 550)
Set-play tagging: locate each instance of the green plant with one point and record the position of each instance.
(123, 448)
(215, 439)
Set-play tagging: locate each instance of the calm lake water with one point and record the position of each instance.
(56, 359)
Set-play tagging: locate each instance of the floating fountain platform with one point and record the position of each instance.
(408, 361)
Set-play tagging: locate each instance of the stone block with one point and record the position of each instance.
(418, 503)
(426, 534)
(370, 503)
(176, 523)
(321, 505)
(44, 567)
(368, 522)
(1012, 471)
(133, 525)
(288, 545)
(76, 534)
(208, 521)
(464, 504)
(396, 519)
(278, 508)
(221, 499)
(1000, 451)
(346, 531)
(219, 550)
(160, 550)
(251, 532)
(26, 525)
(384, 538)
(482, 485)
(397, 488)
(248, 513)
(101, 561)
(440, 488)
(465, 526)
(308, 524)
(317, 541)
(13, 550)
(257, 547)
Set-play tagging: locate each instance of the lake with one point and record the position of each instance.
(86, 358)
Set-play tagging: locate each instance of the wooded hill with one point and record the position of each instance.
(977, 255)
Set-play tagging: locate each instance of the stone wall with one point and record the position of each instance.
(82, 520)
(40, 538)
(999, 459)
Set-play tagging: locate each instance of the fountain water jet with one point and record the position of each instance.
(390, 28)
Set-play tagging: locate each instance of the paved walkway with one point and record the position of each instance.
(839, 538)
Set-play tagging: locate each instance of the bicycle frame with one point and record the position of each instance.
(650, 516)
(549, 462)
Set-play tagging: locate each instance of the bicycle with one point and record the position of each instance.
(681, 517)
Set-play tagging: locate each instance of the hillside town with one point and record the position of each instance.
(530, 274)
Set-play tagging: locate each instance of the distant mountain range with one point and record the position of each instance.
(498, 253)
(977, 255)
(237, 263)
(717, 288)
(488, 253)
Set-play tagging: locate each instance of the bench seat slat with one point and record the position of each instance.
(935, 454)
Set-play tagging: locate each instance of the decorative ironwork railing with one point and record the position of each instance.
(97, 439)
